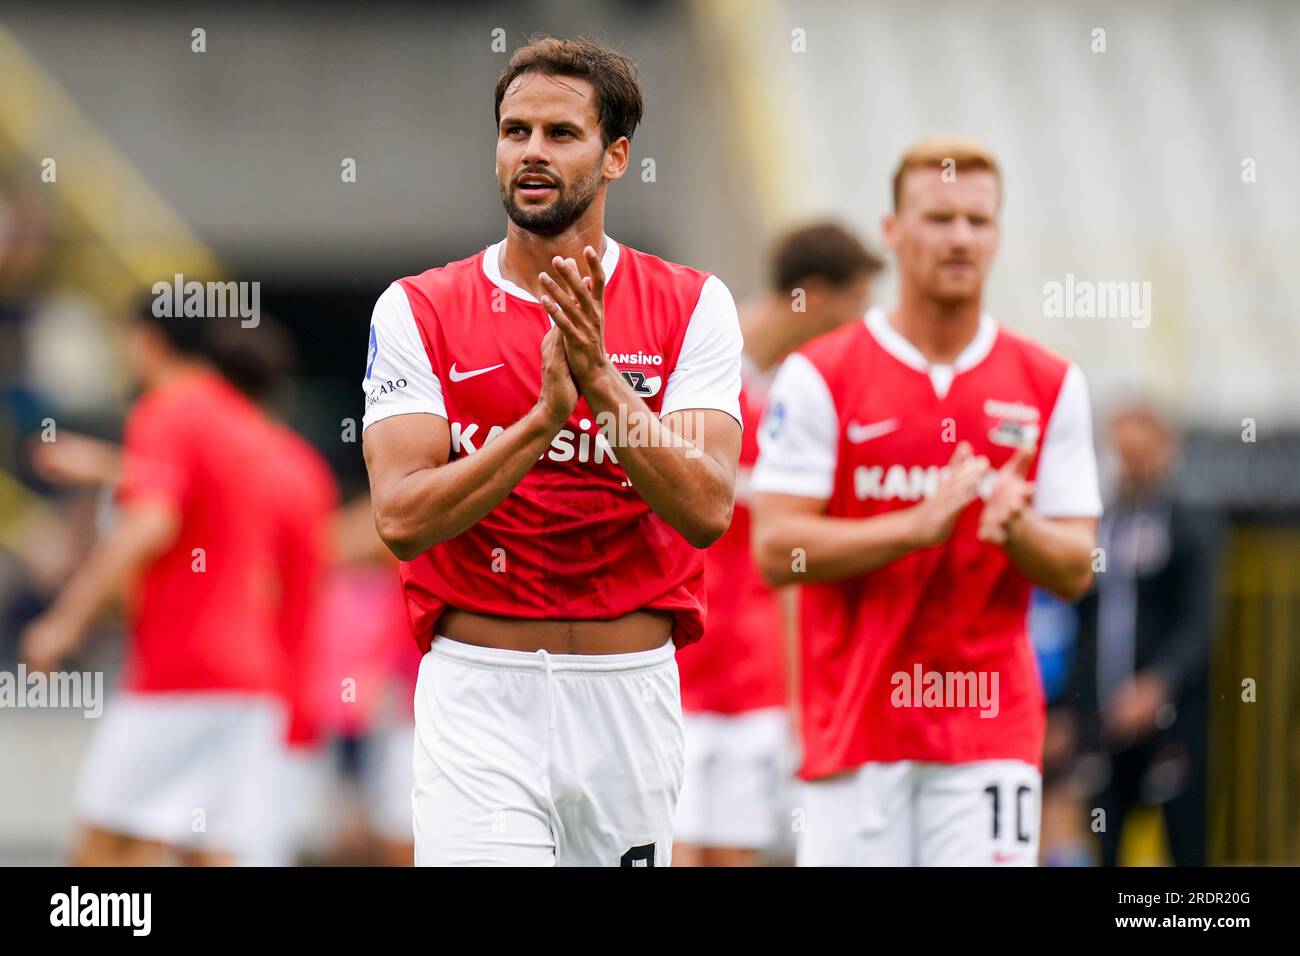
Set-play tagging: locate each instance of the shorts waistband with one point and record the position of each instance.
(544, 662)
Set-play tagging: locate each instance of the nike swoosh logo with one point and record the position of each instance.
(857, 434)
(461, 376)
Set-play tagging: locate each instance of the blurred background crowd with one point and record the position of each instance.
(323, 151)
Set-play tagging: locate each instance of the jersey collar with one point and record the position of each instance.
(941, 376)
(492, 268)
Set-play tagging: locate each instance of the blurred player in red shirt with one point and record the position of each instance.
(304, 499)
(182, 758)
(552, 428)
(734, 681)
(918, 472)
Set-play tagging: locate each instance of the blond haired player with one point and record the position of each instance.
(919, 471)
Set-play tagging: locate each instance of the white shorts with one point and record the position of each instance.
(301, 785)
(546, 759)
(737, 768)
(192, 770)
(984, 813)
(388, 781)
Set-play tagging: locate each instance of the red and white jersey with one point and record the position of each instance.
(204, 612)
(573, 540)
(740, 666)
(304, 498)
(925, 658)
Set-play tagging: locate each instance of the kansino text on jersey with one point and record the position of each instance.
(903, 483)
(632, 431)
(567, 445)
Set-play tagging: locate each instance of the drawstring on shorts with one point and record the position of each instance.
(550, 688)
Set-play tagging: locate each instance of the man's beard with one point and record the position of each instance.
(570, 203)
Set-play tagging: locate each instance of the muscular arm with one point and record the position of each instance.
(142, 531)
(420, 500)
(1054, 553)
(835, 548)
(686, 473)
(832, 548)
(1048, 527)
(683, 465)
(77, 460)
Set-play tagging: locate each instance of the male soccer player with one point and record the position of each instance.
(552, 428)
(303, 501)
(734, 682)
(919, 471)
(181, 758)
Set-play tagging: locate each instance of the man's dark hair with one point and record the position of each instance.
(822, 250)
(612, 75)
(186, 335)
(255, 360)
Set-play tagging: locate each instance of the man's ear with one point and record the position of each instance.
(889, 230)
(616, 158)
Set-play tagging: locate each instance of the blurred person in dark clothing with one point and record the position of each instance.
(1136, 701)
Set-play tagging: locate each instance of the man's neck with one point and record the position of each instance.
(527, 254)
(771, 330)
(176, 370)
(940, 331)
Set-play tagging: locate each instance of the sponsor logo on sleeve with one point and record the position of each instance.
(376, 392)
(372, 353)
(774, 420)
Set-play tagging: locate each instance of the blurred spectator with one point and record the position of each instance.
(44, 329)
(1135, 704)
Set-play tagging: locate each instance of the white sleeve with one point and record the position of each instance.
(799, 436)
(399, 379)
(1066, 483)
(707, 374)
